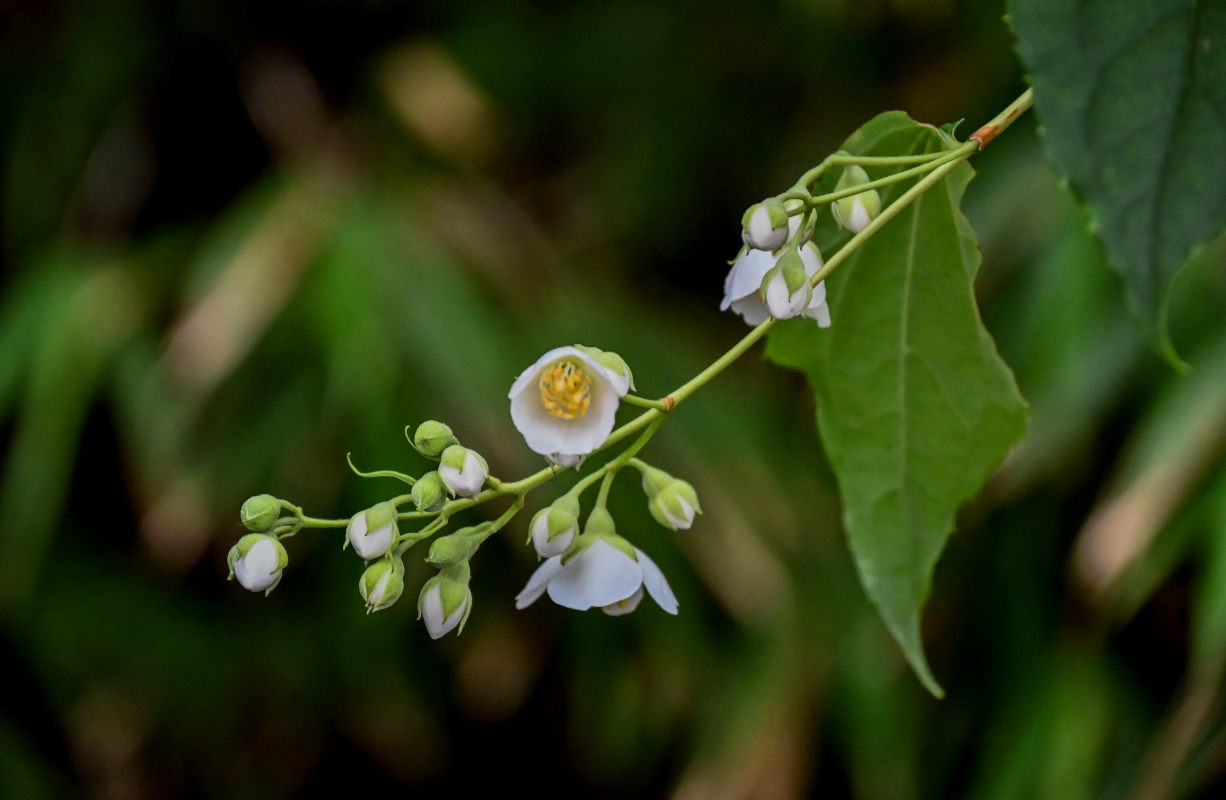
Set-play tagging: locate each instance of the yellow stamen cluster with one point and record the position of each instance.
(566, 390)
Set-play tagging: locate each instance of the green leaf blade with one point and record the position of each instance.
(914, 407)
(1132, 97)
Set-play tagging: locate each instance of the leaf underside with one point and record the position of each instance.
(914, 406)
(1132, 98)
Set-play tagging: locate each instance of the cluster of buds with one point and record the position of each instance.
(772, 275)
(259, 558)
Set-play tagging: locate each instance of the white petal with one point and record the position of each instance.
(657, 585)
(624, 606)
(745, 277)
(859, 216)
(537, 583)
(370, 544)
(600, 575)
(751, 309)
(817, 308)
(565, 459)
(811, 257)
(686, 519)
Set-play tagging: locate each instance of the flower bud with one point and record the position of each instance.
(429, 493)
(456, 547)
(382, 583)
(257, 561)
(463, 471)
(445, 600)
(671, 501)
(432, 437)
(260, 513)
(785, 288)
(554, 527)
(373, 531)
(856, 211)
(765, 225)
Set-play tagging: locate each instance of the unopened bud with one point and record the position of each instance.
(432, 437)
(429, 493)
(856, 211)
(382, 583)
(765, 225)
(260, 513)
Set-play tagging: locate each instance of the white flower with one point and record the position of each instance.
(602, 575)
(371, 532)
(257, 561)
(462, 471)
(742, 286)
(564, 404)
(765, 225)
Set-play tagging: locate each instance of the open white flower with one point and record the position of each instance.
(602, 575)
(742, 286)
(564, 404)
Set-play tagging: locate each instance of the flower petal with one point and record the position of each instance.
(600, 575)
(622, 607)
(746, 276)
(657, 584)
(537, 583)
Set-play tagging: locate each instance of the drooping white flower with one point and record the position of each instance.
(565, 403)
(602, 575)
(257, 561)
(742, 286)
(371, 532)
(462, 470)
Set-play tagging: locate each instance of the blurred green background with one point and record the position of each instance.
(242, 239)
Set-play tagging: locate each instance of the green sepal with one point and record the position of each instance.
(429, 493)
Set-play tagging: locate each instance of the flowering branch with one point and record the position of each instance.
(565, 404)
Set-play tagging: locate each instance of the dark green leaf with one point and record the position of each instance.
(914, 404)
(1132, 96)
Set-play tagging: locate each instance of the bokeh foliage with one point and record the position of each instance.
(241, 240)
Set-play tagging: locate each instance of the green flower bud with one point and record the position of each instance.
(785, 287)
(257, 561)
(456, 547)
(671, 501)
(463, 471)
(429, 493)
(372, 532)
(445, 600)
(260, 513)
(765, 225)
(382, 583)
(856, 211)
(432, 437)
(554, 527)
